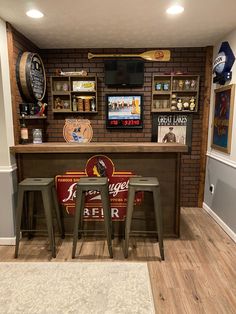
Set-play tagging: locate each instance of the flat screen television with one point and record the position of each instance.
(124, 111)
(124, 73)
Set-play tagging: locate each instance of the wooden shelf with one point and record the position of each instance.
(83, 92)
(59, 93)
(161, 110)
(70, 111)
(61, 110)
(184, 91)
(59, 97)
(184, 86)
(34, 117)
(172, 111)
(161, 92)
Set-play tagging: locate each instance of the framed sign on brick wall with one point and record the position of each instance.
(172, 128)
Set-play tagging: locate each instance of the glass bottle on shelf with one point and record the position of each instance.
(187, 84)
(175, 84)
(24, 134)
(74, 104)
(193, 84)
(93, 106)
(180, 84)
(158, 86)
(166, 86)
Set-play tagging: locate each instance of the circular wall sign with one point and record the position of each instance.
(31, 77)
(77, 131)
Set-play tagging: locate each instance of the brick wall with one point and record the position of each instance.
(190, 60)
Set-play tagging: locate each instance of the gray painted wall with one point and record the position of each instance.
(8, 184)
(7, 172)
(221, 167)
(223, 201)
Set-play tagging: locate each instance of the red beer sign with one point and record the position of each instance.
(100, 166)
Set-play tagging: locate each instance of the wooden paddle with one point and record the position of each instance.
(152, 55)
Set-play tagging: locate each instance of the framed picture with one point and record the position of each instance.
(172, 128)
(222, 118)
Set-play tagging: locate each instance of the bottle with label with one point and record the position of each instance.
(74, 104)
(93, 106)
(24, 134)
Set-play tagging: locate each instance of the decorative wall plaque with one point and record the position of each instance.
(77, 131)
(31, 78)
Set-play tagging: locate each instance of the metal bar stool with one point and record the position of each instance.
(150, 184)
(47, 187)
(88, 184)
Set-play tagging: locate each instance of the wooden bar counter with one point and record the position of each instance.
(115, 147)
(146, 159)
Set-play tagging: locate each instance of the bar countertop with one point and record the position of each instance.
(99, 147)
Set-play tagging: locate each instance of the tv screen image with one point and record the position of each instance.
(124, 111)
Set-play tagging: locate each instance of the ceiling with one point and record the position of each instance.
(121, 23)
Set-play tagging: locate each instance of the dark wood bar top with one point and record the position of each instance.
(102, 147)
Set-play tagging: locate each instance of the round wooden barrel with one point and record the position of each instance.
(31, 78)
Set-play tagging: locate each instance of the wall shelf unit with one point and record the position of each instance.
(74, 94)
(34, 117)
(175, 93)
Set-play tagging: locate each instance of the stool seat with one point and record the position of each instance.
(36, 182)
(150, 184)
(143, 181)
(92, 181)
(47, 188)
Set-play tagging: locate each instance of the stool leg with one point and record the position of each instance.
(30, 209)
(158, 215)
(81, 217)
(107, 218)
(129, 213)
(58, 214)
(19, 209)
(78, 209)
(47, 209)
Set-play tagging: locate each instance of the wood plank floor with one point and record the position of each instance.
(197, 276)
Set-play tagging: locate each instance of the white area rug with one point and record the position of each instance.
(75, 287)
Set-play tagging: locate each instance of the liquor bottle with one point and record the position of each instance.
(24, 134)
(74, 104)
(93, 106)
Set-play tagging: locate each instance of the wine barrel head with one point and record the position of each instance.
(31, 78)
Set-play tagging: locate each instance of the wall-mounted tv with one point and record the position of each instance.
(124, 111)
(124, 73)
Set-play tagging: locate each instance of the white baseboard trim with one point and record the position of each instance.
(8, 241)
(8, 169)
(220, 222)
